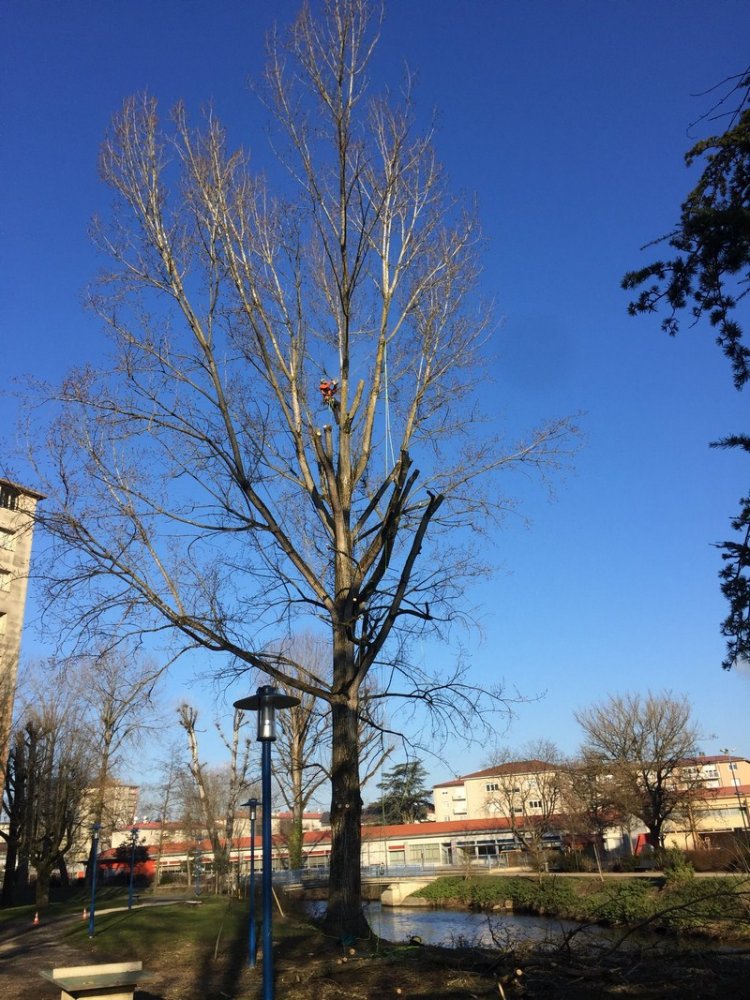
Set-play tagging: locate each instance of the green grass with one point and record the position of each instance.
(73, 903)
(149, 930)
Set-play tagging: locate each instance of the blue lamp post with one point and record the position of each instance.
(252, 805)
(198, 868)
(94, 848)
(133, 845)
(265, 702)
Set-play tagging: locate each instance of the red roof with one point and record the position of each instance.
(315, 838)
(512, 767)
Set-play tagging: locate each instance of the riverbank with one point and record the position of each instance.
(200, 953)
(675, 903)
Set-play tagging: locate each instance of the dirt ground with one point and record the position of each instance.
(310, 966)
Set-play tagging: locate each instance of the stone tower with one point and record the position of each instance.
(17, 506)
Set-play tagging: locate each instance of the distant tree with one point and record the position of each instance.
(526, 791)
(644, 745)
(588, 800)
(116, 688)
(165, 795)
(709, 276)
(303, 748)
(405, 797)
(50, 768)
(218, 792)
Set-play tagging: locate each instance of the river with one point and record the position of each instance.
(457, 927)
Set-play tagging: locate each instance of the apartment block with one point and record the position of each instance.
(17, 507)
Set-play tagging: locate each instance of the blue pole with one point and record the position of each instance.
(252, 956)
(267, 884)
(94, 845)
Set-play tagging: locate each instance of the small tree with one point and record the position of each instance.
(527, 792)
(405, 798)
(116, 689)
(50, 768)
(645, 744)
(218, 792)
(588, 800)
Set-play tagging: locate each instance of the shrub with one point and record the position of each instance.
(675, 865)
(625, 902)
(575, 861)
(697, 903)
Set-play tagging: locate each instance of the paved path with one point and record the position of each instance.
(25, 949)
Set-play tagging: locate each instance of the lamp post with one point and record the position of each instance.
(198, 868)
(265, 703)
(133, 845)
(252, 805)
(94, 846)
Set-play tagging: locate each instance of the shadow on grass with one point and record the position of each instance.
(223, 964)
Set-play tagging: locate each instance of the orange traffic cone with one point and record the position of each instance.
(35, 921)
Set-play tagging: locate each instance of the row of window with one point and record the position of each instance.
(9, 496)
(7, 540)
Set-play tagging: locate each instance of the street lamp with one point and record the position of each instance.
(94, 845)
(133, 845)
(198, 867)
(265, 703)
(252, 805)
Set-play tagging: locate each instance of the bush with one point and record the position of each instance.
(575, 861)
(675, 865)
(622, 902)
(691, 904)
(545, 895)
(627, 863)
(719, 859)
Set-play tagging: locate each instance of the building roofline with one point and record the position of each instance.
(511, 767)
(23, 489)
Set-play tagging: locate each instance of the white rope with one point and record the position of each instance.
(388, 438)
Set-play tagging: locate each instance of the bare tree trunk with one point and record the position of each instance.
(344, 914)
(41, 897)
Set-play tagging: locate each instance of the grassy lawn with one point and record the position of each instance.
(150, 930)
(73, 903)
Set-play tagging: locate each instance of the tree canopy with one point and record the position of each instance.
(642, 745)
(709, 276)
(405, 797)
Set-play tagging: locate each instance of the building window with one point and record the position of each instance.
(7, 540)
(535, 803)
(492, 786)
(424, 852)
(9, 496)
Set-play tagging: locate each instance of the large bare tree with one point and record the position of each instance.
(645, 745)
(281, 363)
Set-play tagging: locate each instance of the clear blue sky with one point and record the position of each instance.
(569, 120)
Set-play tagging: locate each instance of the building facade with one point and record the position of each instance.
(17, 507)
(530, 795)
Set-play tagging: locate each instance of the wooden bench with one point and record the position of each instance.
(115, 981)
